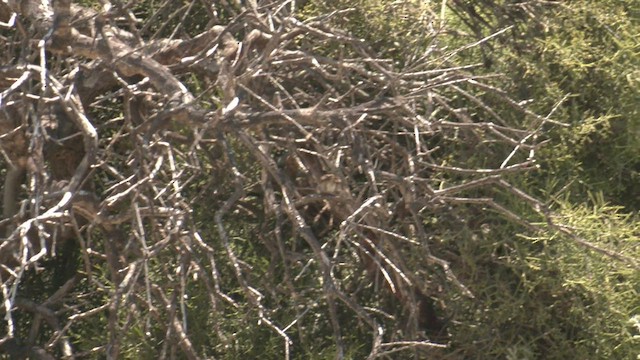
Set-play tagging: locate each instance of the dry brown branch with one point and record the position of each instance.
(155, 155)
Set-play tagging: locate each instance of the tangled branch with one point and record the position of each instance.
(152, 156)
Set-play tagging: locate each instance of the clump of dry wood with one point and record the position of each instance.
(120, 143)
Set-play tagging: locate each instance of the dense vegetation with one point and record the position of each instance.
(321, 179)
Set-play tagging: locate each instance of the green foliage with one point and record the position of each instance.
(163, 18)
(537, 295)
(586, 52)
(397, 30)
(546, 297)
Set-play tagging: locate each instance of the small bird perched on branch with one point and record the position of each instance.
(332, 184)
